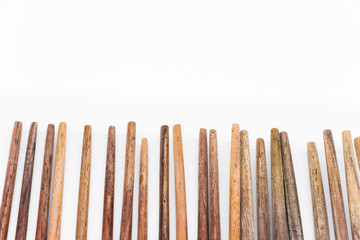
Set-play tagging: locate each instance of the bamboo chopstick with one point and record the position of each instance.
(23, 213)
(84, 186)
(357, 149)
(180, 192)
(352, 184)
(246, 200)
(277, 188)
(203, 201)
(43, 212)
(214, 217)
(128, 191)
(337, 202)
(262, 192)
(164, 219)
(234, 218)
(58, 184)
(10, 180)
(143, 191)
(321, 225)
(108, 209)
(291, 196)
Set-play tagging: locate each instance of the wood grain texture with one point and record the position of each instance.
(180, 190)
(143, 191)
(43, 211)
(23, 213)
(203, 201)
(277, 188)
(84, 186)
(262, 193)
(337, 202)
(164, 218)
(9, 183)
(291, 196)
(321, 224)
(357, 149)
(108, 209)
(128, 192)
(246, 197)
(352, 184)
(234, 211)
(58, 185)
(214, 202)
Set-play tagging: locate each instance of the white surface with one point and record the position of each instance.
(291, 64)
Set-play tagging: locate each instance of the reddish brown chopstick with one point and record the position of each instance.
(352, 184)
(128, 192)
(337, 202)
(203, 201)
(10, 180)
(321, 225)
(291, 196)
(143, 191)
(262, 192)
(247, 210)
(214, 217)
(84, 186)
(234, 221)
(277, 188)
(164, 220)
(108, 210)
(43, 212)
(23, 213)
(58, 185)
(180, 192)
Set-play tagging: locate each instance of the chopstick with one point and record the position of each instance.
(164, 218)
(143, 191)
(234, 218)
(321, 224)
(9, 183)
(291, 196)
(128, 191)
(25, 194)
(43, 211)
(84, 186)
(58, 185)
(337, 202)
(262, 192)
(203, 201)
(180, 191)
(277, 188)
(108, 209)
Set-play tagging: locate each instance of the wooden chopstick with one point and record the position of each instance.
(9, 183)
(143, 191)
(321, 224)
(43, 211)
(128, 191)
(246, 197)
(58, 185)
(357, 149)
(108, 209)
(277, 188)
(180, 191)
(25, 194)
(337, 202)
(214, 202)
(262, 192)
(234, 218)
(203, 201)
(164, 218)
(352, 184)
(84, 186)
(291, 196)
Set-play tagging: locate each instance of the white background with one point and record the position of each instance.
(289, 64)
